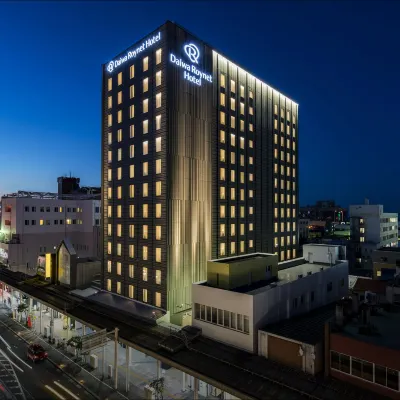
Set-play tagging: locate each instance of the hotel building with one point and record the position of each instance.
(199, 162)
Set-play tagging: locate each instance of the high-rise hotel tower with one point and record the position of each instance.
(199, 161)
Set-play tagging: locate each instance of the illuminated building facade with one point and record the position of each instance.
(199, 162)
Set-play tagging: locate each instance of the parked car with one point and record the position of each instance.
(36, 353)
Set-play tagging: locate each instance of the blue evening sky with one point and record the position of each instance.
(339, 60)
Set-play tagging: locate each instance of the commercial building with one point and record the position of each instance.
(34, 223)
(324, 210)
(199, 162)
(385, 261)
(245, 293)
(371, 229)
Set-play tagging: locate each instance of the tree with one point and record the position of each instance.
(158, 386)
(76, 341)
(22, 308)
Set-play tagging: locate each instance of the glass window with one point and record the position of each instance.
(222, 136)
(131, 291)
(158, 210)
(158, 299)
(132, 131)
(145, 126)
(158, 122)
(145, 295)
(158, 254)
(132, 151)
(145, 105)
(145, 229)
(222, 118)
(119, 97)
(109, 101)
(222, 99)
(158, 188)
(145, 85)
(233, 104)
(233, 86)
(145, 208)
(109, 84)
(145, 168)
(158, 144)
(145, 63)
(131, 111)
(158, 166)
(119, 268)
(222, 80)
(131, 231)
(158, 100)
(222, 249)
(145, 148)
(131, 211)
(158, 232)
(109, 285)
(158, 78)
(144, 274)
(119, 78)
(158, 56)
(132, 71)
(145, 189)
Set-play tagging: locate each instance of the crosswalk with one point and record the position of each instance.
(9, 378)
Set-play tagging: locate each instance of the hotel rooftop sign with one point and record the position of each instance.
(132, 53)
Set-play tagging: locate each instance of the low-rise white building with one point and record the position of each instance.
(371, 229)
(244, 293)
(33, 224)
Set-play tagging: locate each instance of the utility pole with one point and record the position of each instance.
(116, 359)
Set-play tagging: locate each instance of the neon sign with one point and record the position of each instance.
(112, 65)
(191, 73)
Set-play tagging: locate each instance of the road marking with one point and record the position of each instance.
(15, 365)
(23, 362)
(55, 392)
(66, 390)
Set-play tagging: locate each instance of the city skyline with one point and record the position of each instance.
(326, 74)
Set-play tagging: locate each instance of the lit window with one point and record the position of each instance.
(109, 211)
(233, 247)
(241, 91)
(233, 229)
(251, 226)
(242, 177)
(158, 254)
(145, 189)
(145, 85)
(251, 210)
(132, 71)
(222, 249)
(132, 131)
(145, 295)
(145, 257)
(222, 174)
(158, 232)
(145, 168)
(109, 266)
(242, 142)
(119, 230)
(109, 120)
(158, 299)
(158, 78)
(233, 104)
(131, 291)
(158, 56)
(241, 125)
(233, 86)
(232, 175)
(109, 137)
(109, 195)
(109, 84)
(222, 79)
(233, 193)
(233, 122)
(222, 211)
(131, 231)
(251, 110)
(131, 191)
(109, 229)
(250, 144)
(222, 136)
(145, 64)
(120, 78)
(131, 271)
(145, 105)
(242, 160)
(221, 118)
(158, 122)
(119, 268)
(109, 101)
(119, 97)
(119, 173)
(131, 211)
(232, 157)
(362, 239)
(132, 91)
(241, 194)
(145, 148)
(109, 247)
(145, 126)
(158, 100)
(251, 177)
(145, 229)
(233, 211)
(158, 210)
(158, 144)
(109, 175)
(241, 211)
(131, 111)
(251, 127)
(222, 193)
(158, 166)
(119, 249)
(251, 243)
(222, 155)
(119, 192)
(158, 188)
(145, 211)
(132, 151)
(242, 108)
(131, 250)
(222, 230)
(109, 285)
(222, 99)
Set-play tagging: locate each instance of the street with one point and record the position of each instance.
(42, 380)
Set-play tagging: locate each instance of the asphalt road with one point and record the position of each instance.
(43, 380)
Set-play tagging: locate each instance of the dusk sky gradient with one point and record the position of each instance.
(339, 60)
